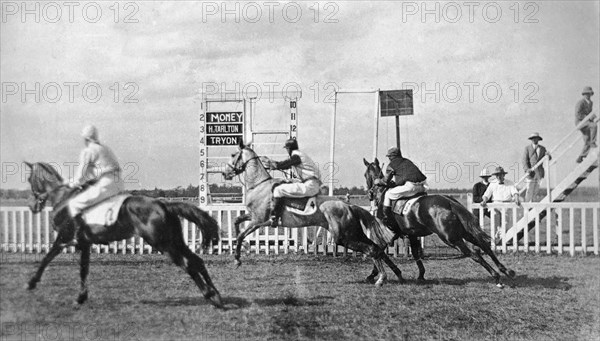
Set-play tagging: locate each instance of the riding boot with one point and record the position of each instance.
(276, 207)
(79, 225)
(389, 220)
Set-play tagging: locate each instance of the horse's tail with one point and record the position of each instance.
(208, 225)
(470, 223)
(380, 234)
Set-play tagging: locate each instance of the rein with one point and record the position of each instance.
(242, 168)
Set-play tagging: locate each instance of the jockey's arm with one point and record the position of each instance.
(294, 160)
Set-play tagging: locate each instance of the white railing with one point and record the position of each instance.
(21, 231)
(567, 227)
(556, 153)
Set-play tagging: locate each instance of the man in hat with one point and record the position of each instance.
(306, 184)
(480, 188)
(589, 129)
(407, 181)
(501, 190)
(98, 166)
(534, 152)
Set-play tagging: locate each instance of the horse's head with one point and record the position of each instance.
(239, 160)
(372, 174)
(43, 180)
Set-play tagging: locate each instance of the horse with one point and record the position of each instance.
(156, 221)
(442, 215)
(347, 223)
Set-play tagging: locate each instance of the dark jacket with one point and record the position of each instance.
(582, 109)
(405, 171)
(478, 191)
(530, 159)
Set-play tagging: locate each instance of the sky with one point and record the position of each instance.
(485, 75)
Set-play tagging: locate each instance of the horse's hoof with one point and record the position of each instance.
(500, 285)
(216, 300)
(30, 286)
(511, 273)
(379, 283)
(237, 263)
(82, 298)
(421, 280)
(370, 280)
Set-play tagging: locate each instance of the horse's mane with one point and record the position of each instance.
(42, 172)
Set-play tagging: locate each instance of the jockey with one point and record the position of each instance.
(307, 184)
(98, 165)
(408, 181)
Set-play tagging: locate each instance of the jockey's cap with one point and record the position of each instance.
(393, 151)
(90, 132)
(291, 144)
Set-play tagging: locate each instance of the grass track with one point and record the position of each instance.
(293, 297)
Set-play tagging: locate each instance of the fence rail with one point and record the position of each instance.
(572, 228)
(568, 227)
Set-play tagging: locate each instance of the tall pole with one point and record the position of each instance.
(376, 127)
(332, 148)
(398, 131)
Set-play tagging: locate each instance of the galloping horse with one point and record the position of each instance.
(445, 217)
(345, 222)
(154, 220)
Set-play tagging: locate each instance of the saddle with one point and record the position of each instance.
(105, 212)
(403, 205)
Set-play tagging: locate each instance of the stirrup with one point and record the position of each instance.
(274, 221)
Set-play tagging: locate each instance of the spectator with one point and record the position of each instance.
(589, 129)
(534, 152)
(479, 189)
(501, 190)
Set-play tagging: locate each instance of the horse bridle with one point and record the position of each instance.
(242, 168)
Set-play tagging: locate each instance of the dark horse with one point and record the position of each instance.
(154, 220)
(445, 217)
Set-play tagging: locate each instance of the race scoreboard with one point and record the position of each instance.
(217, 129)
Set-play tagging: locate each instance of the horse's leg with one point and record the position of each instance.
(476, 256)
(56, 248)
(488, 251)
(369, 248)
(394, 268)
(415, 249)
(242, 236)
(238, 221)
(374, 273)
(183, 257)
(84, 269)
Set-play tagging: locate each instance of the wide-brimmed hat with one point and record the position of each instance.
(393, 151)
(535, 136)
(587, 90)
(499, 170)
(485, 173)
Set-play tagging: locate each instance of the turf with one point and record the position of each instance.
(302, 297)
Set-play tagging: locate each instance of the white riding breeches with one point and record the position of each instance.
(107, 186)
(406, 190)
(304, 189)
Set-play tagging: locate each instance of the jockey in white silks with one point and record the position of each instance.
(306, 184)
(97, 163)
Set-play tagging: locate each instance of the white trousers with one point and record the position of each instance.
(533, 186)
(308, 188)
(406, 190)
(107, 186)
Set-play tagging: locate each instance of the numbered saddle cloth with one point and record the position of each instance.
(105, 212)
(302, 206)
(402, 206)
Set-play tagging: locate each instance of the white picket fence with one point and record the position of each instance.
(22, 231)
(572, 228)
(568, 227)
